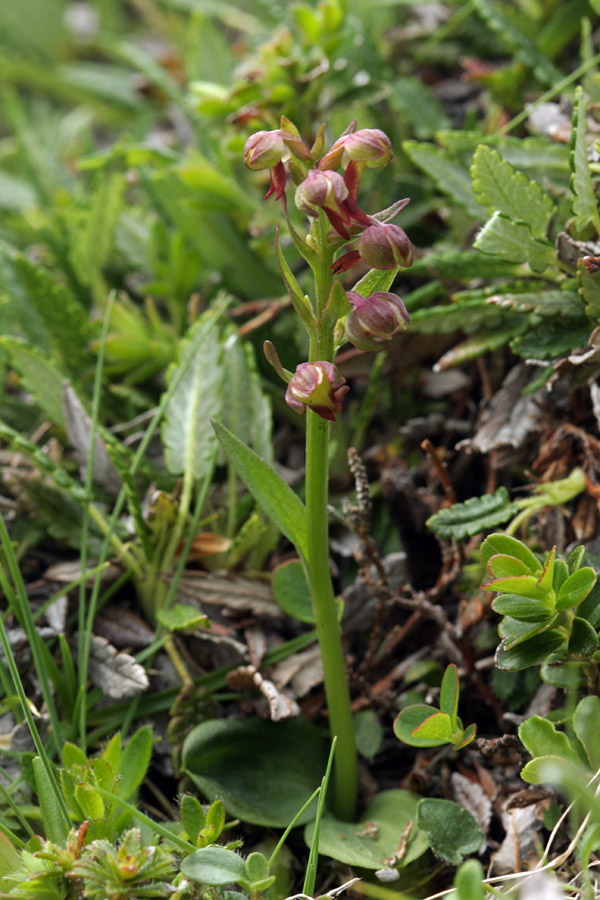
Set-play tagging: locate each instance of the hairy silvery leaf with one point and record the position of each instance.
(116, 674)
(79, 429)
(187, 434)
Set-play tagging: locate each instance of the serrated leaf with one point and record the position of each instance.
(461, 265)
(79, 429)
(588, 281)
(186, 432)
(551, 340)
(474, 515)
(515, 242)
(276, 497)
(543, 303)
(66, 321)
(499, 186)
(449, 175)
(39, 375)
(451, 830)
(117, 675)
(576, 588)
(474, 347)
(470, 316)
(524, 49)
(91, 244)
(583, 202)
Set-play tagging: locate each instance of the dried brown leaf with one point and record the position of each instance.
(229, 592)
(117, 675)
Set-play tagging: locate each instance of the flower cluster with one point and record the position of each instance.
(365, 239)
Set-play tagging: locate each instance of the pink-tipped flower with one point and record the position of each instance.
(385, 247)
(270, 150)
(322, 190)
(375, 319)
(368, 146)
(319, 386)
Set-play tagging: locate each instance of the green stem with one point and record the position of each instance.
(345, 782)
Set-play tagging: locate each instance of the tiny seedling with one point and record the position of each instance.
(420, 725)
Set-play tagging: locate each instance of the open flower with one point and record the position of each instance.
(375, 319)
(270, 150)
(319, 386)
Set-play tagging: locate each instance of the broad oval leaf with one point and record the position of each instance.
(503, 566)
(538, 770)
(526, 585)
(576, 588)
(263, 771)
(276, 497)
(214, 865)
(372, 840)
(423, 726)
(292, 591)
(509, 546)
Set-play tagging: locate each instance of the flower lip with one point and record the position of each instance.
(319, 386)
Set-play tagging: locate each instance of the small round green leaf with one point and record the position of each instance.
(292, 591)
(510, 546)
(423, 726)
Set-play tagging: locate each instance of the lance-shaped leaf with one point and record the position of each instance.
(449, 693)
(276, 497)
(498, 185)
(301, 302)
(583, 203)
(186, 432)
(450, 176)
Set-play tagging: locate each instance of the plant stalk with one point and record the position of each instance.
(345, 780)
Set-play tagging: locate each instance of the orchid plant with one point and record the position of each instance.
(340, 236)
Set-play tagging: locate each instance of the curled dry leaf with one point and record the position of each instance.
(116, 674)
(520, 826)
(235, 594)
(303, 671)
(123, 628)
(79, 429)
(248, 678)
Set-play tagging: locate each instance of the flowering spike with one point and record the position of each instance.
(319, 386)
(375, 319)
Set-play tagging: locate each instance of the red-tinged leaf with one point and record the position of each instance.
(546, 578)
(503, 566)
(449, 693)
(525, 585)
(509, 546)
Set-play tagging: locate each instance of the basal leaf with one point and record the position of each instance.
(583, 203)
(474, 515)
(214, 865)
(423, 726)
(514, 242)
(450, 176)
(91, 244)
(554, 339)
(474, 347)
(135, 759)
(499, 186)
(264, 771)
(576, 588)
(186, 432)
(541, 738)
(372, 840)
(451, 830)
(276, 497)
